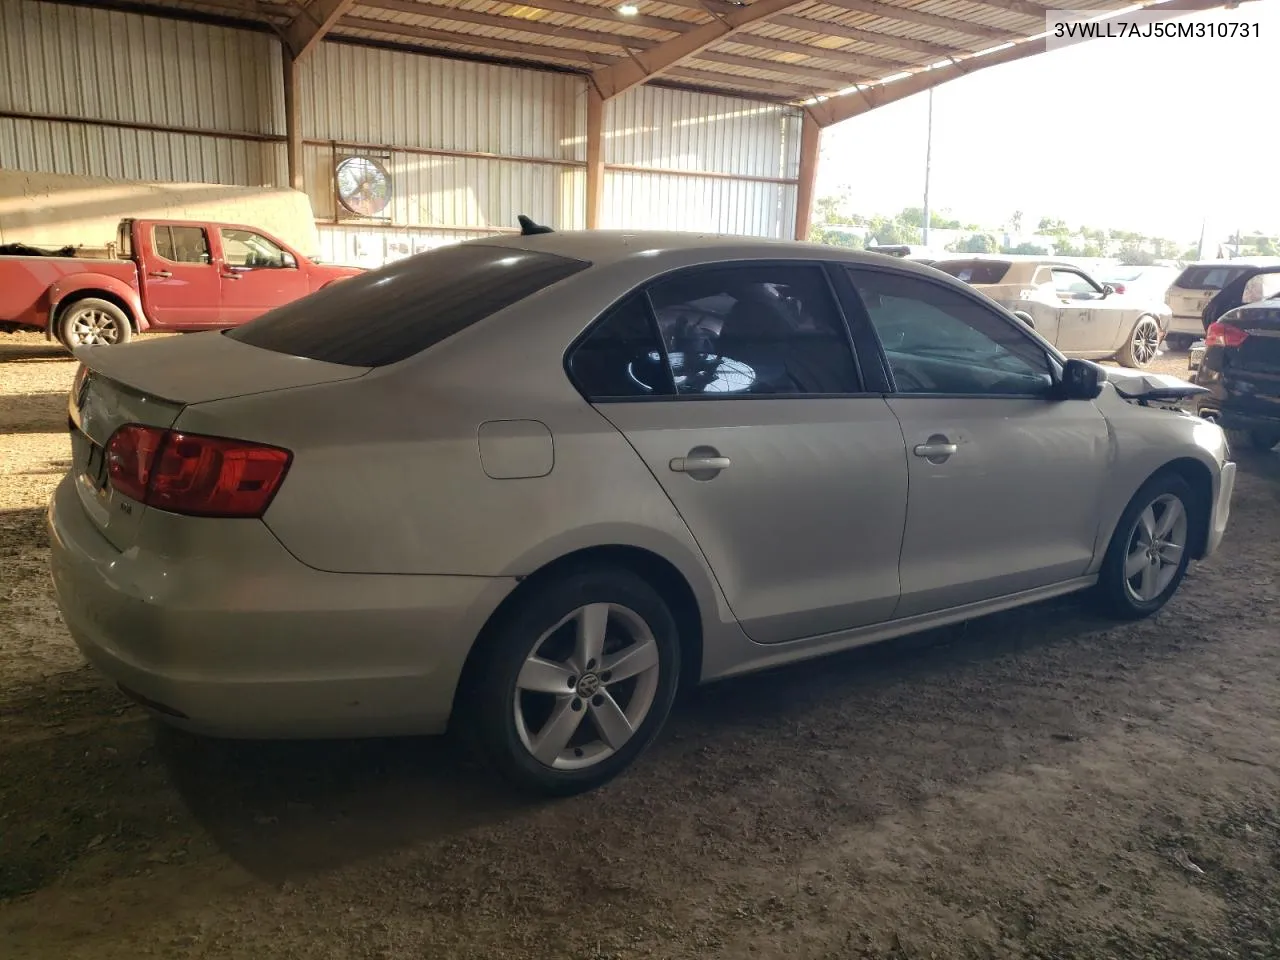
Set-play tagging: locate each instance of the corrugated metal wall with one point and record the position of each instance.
(468, 145)
(101, 65)
(690, 161)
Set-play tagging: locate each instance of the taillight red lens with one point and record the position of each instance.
(194, 474)
(131, 453)
(1222, 334)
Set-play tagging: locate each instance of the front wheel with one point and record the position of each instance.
(1150, 549)
(573, 683)
(1143, 344)
(93, 322)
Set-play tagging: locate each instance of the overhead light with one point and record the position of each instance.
(628, 9)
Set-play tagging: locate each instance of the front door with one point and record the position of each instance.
(257, 275)
(792, 481)
(180, 284)
(1004, 483)
(1085, 324)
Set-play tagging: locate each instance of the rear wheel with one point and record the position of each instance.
(93, 322)
(573, 683)
(1150, 549)
(1143, 343)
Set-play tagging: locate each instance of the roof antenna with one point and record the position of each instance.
(528, 228)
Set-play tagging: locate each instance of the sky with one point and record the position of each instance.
(1153, 135)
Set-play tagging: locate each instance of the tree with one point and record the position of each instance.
(1048, 225)
(829, 209)
(1015, 221)
(888, 231)
(1026, 249)
(977, 243)
(823, 233)
(1134, 256)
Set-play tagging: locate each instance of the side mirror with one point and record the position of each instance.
(1081, 380)
(1026, 318)
(1108, 290)
(290, 261)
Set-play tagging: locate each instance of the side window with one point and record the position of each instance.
(1070, 284)
(939, 341)
(764, 329)
(181, 244)
(621, 357)
(251, 251)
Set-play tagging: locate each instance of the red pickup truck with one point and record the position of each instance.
(173, 275)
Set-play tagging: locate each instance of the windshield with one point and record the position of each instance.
(975, 271)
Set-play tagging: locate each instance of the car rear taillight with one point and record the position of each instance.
(1222, 334)
(194, 474)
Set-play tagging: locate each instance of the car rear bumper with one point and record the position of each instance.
(259, 645)
(1185, 325)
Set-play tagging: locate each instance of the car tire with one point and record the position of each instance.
(93, 322)
(544, 668)
(1143, 344)
(1140, 573)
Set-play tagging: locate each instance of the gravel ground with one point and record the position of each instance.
(1036, 784)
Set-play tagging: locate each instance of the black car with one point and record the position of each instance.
(1241, 370)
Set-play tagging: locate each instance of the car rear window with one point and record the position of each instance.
(1208, 277)
(975, 271)
(387, 315)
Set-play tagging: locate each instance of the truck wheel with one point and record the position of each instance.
(93, 322)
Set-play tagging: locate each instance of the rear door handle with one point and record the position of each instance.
(160, 274)
(935, 449)
(231, 276)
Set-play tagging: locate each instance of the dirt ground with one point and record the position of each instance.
(1039, 784)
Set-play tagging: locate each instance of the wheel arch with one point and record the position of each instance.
(1197, 476)
(73, 297)
(657, 571)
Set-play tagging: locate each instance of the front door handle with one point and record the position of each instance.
(160, 274)
(937, 449)
(701, 463)
(231, 276)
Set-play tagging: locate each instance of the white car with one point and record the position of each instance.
(1080, 316)
(1152, 281)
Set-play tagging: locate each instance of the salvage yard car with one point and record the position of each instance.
(1077, 314)
(1240, 369)
(175, 275)
(599, 465)
(1197, 285)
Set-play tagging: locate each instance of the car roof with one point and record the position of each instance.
(603, 247)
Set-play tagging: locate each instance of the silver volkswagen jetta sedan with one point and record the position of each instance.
(523, 487)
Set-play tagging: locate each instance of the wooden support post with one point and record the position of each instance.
(292, 120)
(595, 156)
(810, 142)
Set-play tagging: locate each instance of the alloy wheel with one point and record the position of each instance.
(1146, 340)
(93, 328)
(1156, 546)
(586, 686)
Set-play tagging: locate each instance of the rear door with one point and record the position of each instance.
(739, 389)
(1005, 484)
(180, 285)
(256, 274)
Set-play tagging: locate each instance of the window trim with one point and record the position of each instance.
(1054, 360)
(643, 289)
(1097, 287)
(208, 245)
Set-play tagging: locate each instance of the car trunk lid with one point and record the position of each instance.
(150, 383)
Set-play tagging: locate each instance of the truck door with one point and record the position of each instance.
(257, 275)
(180, 288)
